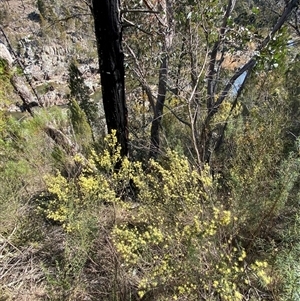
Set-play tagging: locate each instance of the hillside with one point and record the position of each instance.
(177, 178)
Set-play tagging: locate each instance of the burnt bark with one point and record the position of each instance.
(108, 31)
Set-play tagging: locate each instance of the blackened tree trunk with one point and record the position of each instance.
(108, 32)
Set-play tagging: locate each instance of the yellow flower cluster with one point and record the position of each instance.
(260, 268)
(171, 231)
(57, 209)
(58, 185)
(92, 187)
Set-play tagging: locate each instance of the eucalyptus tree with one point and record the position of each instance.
(212, 49)
(208, 37)
(167, 31)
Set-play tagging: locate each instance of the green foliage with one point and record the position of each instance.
(259, 174)
(262, 180)
(161, 230)
(292, 91)
(80, 92)
(80, 124)
(287, 261)
(64, 281)
(274, 56)
(5, 85)
(22, 153)
(3, 67)
(173, 128)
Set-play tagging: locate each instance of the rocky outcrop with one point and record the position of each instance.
(49, 64)
(44, 63)
(5, 54)
(23, 90)
(44, 54)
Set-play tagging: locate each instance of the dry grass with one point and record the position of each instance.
(21, 276)
(31, 246)
(39, 261)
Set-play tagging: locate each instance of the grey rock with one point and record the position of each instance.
(5, 54)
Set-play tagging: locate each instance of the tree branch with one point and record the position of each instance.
(248, 67)
(141, 77)
(177, 117)
(139, 10)
(127, 23)
(213, 56)
(252, 62)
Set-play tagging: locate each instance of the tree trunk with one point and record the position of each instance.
(162, 90)
(213, 103)
(168, 23)
(108, 32)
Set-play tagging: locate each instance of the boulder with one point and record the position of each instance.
(5, 54)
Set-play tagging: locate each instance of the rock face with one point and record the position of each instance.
(44, 63)
(5, 54)
(46, 50)
(49, 65)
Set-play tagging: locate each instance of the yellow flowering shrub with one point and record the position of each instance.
(172, 235)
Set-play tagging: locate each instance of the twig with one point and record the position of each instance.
(177, 117)
(127, 23)
(139, 10)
